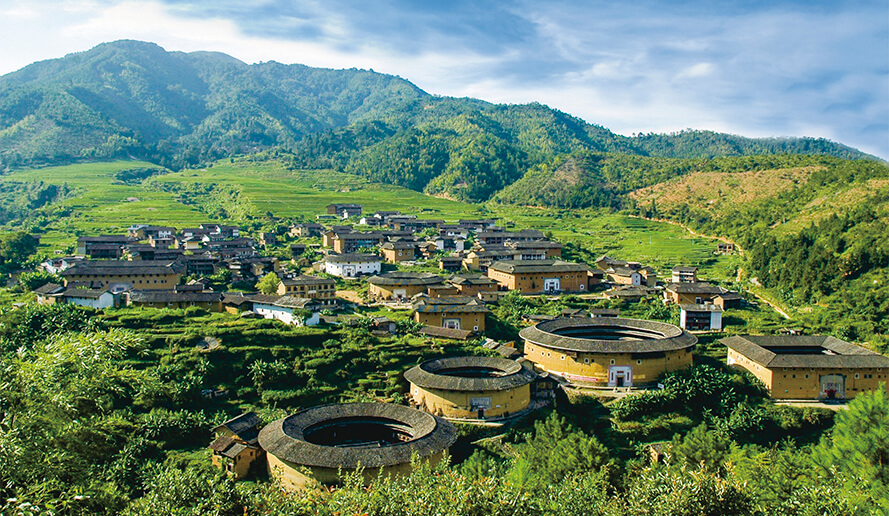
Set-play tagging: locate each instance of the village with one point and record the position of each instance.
(445, 277)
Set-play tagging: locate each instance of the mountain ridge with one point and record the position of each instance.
(134, 99)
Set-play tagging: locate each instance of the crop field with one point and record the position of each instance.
(102, 204)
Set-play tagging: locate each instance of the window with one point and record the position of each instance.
(856, 376)
(586, 360)
(562, 357)
(612, 362)
(638, 362)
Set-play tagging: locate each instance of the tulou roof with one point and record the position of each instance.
(304, 279)
(608, 335)
(397, 279)
(121, 267)
(530, 266)
(285, 438)
(352, 258)
(170, 296)
(454, 304)
(695, 288)
(443, 374)
(804, 351)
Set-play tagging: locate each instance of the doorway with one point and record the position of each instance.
(833, 386)
(620, 376)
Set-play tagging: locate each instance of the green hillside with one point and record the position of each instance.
(130, 99)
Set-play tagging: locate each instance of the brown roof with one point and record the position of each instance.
(454, 304)
(608, 335)
(444, 374)
(405, 278)
(530, 266)
(804, 351)
(285, 438)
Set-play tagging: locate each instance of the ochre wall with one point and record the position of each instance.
(805, 383)
(569, 281)
(457, 404)
(468, 321)
(645, 370)
(138, 281)
(387, 291)
(293, 477)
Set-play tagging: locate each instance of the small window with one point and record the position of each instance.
(562, 357)
(612, 362)
(856, 376)
(586, 360)
(638, 362)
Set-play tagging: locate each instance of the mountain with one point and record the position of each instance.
(134, 99)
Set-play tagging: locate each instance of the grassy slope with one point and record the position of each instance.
(100, 206)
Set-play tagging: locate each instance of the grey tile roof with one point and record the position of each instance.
(121, 267)
(443, 374)
(405, 278)
(695, 288)
(531, 266)
(171, 296)
(352, 258)
(285, 438)
(618, 335)
(777, 351)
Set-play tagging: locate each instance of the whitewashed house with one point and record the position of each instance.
(297, 311)
(352, 265)
(93, 298)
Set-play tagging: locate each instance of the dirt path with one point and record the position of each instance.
(350, 296)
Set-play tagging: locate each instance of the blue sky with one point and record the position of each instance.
(757, 68)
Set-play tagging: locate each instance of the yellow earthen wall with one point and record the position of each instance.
(594, 367)
(457, 404)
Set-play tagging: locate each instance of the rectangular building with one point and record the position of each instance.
(808, 367)
(540, 276)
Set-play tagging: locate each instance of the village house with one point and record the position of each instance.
(700, 317)
(236, 447)
(306, 230)
(345, 243)
(453, 230)
(174, 299)
(540, 276)
(443, 290)
(414, 225)
(624, 276)
(118, 276)
(107, 243)
(477, 224)
(628, 293)
(808, 367)
(297, 311)
(458, 312)
(536, 249)
(401, 285)
(728, 300)
(691, 293)
(46, 294)
(473, 284)
(309, 287)
(682, 274)
(500, 237)
(450, 263)
(344, 210)
(725, 248)
(352, 265)
(449, 243)
(98, 298)
(57, 265)
(401, 251)
(144, 231)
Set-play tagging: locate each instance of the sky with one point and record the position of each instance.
(752, 67)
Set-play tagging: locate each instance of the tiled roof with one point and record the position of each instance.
(776, 351)
(285, 438)
(444, 374)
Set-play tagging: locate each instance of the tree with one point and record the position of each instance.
(859, 444)
(16, 248)
(268, 284)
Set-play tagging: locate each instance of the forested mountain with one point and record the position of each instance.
(131, 98)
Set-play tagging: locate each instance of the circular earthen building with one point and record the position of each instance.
(315, 444)
(471, 387)
(606, 351)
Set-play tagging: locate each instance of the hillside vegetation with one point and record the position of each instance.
(130, 99)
